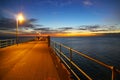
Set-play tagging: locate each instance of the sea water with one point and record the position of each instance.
(104, 49)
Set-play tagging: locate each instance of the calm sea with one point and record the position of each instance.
(105, 49)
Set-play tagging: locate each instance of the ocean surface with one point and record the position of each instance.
(105, 49)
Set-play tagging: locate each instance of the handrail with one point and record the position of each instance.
(7, 42)
(68, 65)
(73, 64)
(62, 56)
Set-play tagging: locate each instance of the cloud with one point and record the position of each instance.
(42, 29)
(30, 23)
(93, 27)
(98, 28)
(65, 28)
(32, 20)
(47, 30)
(10, 24)
(87, 3)
(82, 28)
(7, 23)
(38, 25)
(89, 27)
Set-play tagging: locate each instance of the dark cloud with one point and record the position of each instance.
(9, 24)
(82, 28)
(44, 29)
(93, 26)
(65, 28)
(112, 27)
(89, 27)
(97, 28)
(32, 20)
(29, 25)
(47, 30)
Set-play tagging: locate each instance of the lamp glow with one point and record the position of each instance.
(20, 18)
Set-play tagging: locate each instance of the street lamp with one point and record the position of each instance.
(19, 19)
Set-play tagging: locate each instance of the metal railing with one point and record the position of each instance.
(69, 63)
(7, 42)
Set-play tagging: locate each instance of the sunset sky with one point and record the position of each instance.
(61, 17)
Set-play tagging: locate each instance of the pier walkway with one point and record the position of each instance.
(28, 61)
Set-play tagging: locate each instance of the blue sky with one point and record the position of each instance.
(54, 14)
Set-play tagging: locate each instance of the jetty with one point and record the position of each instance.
(30, 61)
(44, 59)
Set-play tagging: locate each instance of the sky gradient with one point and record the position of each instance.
(72, 17)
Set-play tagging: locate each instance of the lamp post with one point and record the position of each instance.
(19, 19)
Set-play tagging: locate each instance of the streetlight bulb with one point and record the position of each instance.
(20, 17)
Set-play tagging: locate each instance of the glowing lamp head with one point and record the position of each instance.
(20, 17)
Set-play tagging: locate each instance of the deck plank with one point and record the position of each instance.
(27, 61)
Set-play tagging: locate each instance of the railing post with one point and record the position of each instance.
(10, 42)
(70, 57)
(60, 53)
(6, 43)
(70, 53)
(60, 47)
(14, 41)
(54, 46)
(0, 44)
(113, 73)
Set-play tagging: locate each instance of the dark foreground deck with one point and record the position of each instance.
(29, 61)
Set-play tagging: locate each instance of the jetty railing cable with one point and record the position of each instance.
(62, 55)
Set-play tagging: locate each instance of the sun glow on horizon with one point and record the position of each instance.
(76, 34)
(68, 33)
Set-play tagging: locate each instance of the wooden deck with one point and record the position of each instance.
(28, 61)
